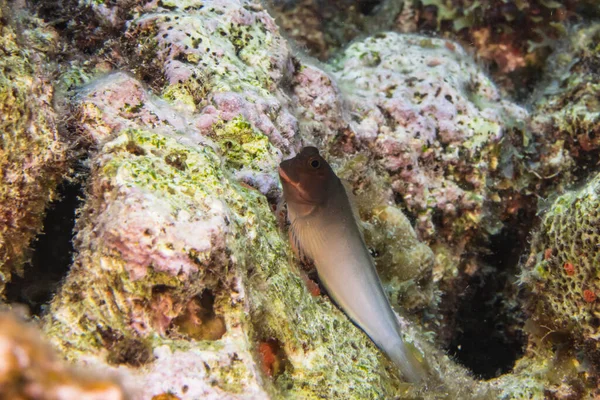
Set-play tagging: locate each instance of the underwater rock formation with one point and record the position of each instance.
(435, 122)
(562, 267)
(182, 278)
(514, 38)
(29, 369)
(325, 27)
(32, 156)
(566, 113)
(180, 263)
(561, 274)
(183, 282)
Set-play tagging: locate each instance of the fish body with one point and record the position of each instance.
(324, 229)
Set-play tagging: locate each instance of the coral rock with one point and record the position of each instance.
(566, 285)
(566, 115)
(32, 156)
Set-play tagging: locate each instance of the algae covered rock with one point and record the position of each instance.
(436, 123)
(562, 269)
(180, 263)
(323, 27)
(182, 278)
(32, 156)
(566, 115)
(561, 277)
(183, 281)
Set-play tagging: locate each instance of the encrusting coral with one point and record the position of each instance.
(32, 156)
(566, 110)
(562, 266)
(183, 281)
(182, 276)
(435, 122)
(561, 275)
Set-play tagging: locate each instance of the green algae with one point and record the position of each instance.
(242, 145)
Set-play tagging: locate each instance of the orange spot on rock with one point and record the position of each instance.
(272, 357)
(268, 357)
(569, 268)
(166, 396)
(589, 296)
(547, 254)
(312, 286)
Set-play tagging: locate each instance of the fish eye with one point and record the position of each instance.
(315, 164)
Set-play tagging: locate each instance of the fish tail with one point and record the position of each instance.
(404, 357)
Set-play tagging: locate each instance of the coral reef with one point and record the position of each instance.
(324, 27)
(138, 285)
(183, 282)
(30, 370)
(438, 125)
(566, 114)
(514, 37)
(561, 269)
(32, 156)
(561, 274)
(182, 277)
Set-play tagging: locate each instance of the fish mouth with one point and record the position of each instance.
(286, 177)
(296, 185)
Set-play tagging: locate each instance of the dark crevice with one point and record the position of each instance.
(52, 253)
(366, 7)
(488, 337)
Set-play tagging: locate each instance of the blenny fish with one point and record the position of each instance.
(324, 229)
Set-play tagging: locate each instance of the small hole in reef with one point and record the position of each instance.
(199, 320)
(366, 7)
(273, 359)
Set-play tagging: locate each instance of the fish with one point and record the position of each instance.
(324, 229)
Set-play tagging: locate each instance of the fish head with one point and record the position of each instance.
(306, 178)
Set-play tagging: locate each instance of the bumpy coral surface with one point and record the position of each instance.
(31, 155)
(566, 116)
(183, 281)
(182, 277)
(513, 37)
(435, 122)
(176, 287)
(29, 369)
(562, 267)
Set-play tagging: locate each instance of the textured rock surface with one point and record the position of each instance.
(183, 281)
(562, 274)
(32, 158)
(434, 121)
(562, 269)
(324, 27)
(513, 37)
(180, 261)
(566, 115)
(139, 285)
(29, 369)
